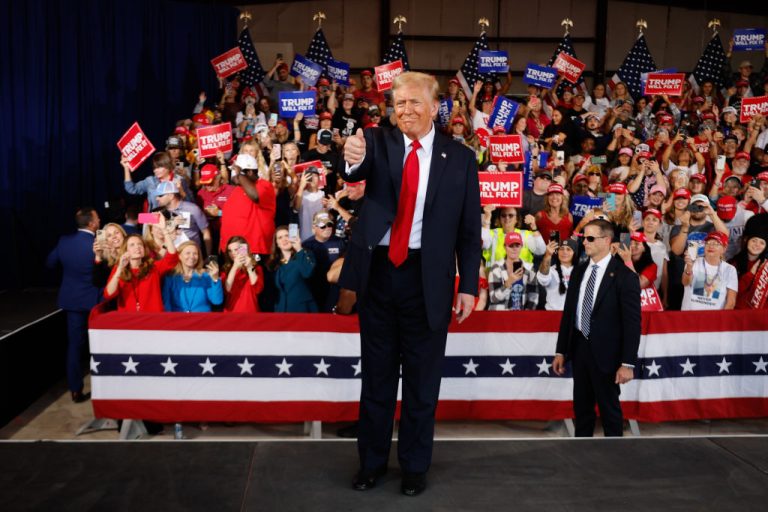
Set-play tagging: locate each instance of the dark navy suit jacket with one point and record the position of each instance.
(450, 233)
(615, 328)
(75, 254)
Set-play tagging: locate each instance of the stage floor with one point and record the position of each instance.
(717, 473)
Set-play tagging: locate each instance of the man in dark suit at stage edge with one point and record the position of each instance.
(77, 295)
(599, 332)
(420, 220)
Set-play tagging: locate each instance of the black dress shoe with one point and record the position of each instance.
(79, 397)
(413, 483)
(365, 479)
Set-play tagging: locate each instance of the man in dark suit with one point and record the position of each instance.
(420, 221)
(599, 332)
(77, 294)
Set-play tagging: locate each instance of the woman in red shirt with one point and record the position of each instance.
(555, 215)
(135, 280)
(244, 278)
(638, 258)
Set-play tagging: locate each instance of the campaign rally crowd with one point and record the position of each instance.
(265, 227)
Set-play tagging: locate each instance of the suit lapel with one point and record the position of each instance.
(607, 282)
(395, 153)
(437, 166)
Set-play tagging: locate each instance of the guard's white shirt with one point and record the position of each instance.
(602, 265)
(425, 161)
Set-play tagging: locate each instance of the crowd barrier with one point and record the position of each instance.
(176, 367)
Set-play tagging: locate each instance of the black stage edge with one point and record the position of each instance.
(667, 474)
(33, 344)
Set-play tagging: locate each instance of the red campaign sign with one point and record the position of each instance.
(750, 107)
(211, 139)
(386, 74)
(501, 188)
(229, 63)
(650, 300)
(300, 168)
(670, 84)
(135, 146)
(569, 67)
(506, 148)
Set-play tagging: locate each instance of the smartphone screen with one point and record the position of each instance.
(211, 259)
(693, 250)
(624, 240)
(293, 231)
(517, 265)
(720, 163)
(554, 236)
(610, 202)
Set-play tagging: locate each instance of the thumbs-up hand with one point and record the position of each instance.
(354, 148)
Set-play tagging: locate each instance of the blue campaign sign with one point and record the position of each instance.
(492, 61)
(541, 76)
(748, 39)
(528, 168)
(338, 71)
(503, 113)
(444, 112)
(580, 205)
(293, 102)
(306, 69)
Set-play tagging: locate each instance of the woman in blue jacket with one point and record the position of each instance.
(292, 267)
(189, 289)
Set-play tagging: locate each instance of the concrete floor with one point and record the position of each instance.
(55, 417)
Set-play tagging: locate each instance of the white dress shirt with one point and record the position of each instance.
(602, 265)
(425, 161)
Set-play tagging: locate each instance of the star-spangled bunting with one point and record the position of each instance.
(319, 52)
(566, 46)
(254, 73)
(339, 367)
(637, 62)
(468, 73)
(396, 51)
(710, 65)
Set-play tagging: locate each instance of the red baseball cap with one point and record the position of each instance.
(726, 208)
(682, 192)
(617, 188)
(638, 236)
(458, 120)
(499, 129)
(201, 119)
(763, 176)
(282, 66)
(644, 154)
(555, 188)
(207, 173)
(323, 81)
(742, 154)
(722, 238)
(708, 115)
(454, 80)
(513, 237)
(578, 178)
(181, 130)
(666, 118)
(366, 72)
(699, 177)
(698, 99)
(742, 83)
(325, 115)
(652, 211)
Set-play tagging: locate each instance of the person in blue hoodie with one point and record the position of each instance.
(189, 289)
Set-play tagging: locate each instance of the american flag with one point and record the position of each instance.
(566, 46)
(396, 51)
(637, 62)
(319, 52)
(710, 65)
(468, 73)
(254, 73)
(270, 367)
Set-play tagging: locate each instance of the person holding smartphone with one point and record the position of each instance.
(189, 289)
(291, 269)
(244, 278)
(512, 284)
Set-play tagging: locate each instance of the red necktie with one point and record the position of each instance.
(401, 229)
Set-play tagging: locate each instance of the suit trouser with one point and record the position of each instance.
(590, 386)
(77, 337)
(394, 331)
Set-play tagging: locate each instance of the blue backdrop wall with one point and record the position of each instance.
(73, 77)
